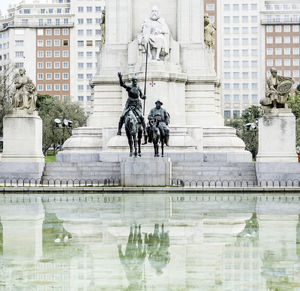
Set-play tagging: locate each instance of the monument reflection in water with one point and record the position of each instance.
(153, 242)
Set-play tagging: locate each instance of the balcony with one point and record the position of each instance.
(34, 24)
(294, 20)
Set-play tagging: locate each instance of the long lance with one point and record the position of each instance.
(146, 72)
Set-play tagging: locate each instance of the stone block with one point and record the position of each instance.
(22, 137)
(146, 171)
(277, 138)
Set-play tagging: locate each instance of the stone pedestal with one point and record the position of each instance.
(146, 172)
(22, 145)
(277, 137)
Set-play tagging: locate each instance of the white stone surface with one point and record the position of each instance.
(277, 138)
(22, 138)
(146, 172)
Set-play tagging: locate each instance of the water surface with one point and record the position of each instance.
(150, 242)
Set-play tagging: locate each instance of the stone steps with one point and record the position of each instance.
(85, 171)
(214, 171)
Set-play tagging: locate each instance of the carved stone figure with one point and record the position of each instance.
(162, 118)
(156, 34)
(102, 25)
(277, 91)
(209, 30)
(25, 95)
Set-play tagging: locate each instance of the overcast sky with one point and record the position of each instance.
(5, 3)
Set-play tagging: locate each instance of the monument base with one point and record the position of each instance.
(277, 137)
(22, 146)
(146, 172)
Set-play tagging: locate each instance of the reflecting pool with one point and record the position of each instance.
(150, 242)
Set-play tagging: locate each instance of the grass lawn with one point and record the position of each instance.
(50, 159)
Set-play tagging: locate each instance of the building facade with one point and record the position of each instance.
(37, 35)
(280, 42)
(239, 55)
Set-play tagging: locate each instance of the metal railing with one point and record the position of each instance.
(27, 182)
(235, 184)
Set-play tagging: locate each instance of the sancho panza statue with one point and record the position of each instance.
(155, 32)
(163, 119)
(277, 91)
(25, 95)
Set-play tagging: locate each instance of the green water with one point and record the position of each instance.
(150, 242)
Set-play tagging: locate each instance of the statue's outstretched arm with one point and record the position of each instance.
(122, 84)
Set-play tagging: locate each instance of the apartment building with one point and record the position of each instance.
(280, 44)
(239, 55)
(38, 35)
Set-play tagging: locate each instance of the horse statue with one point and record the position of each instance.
(156, 136)
(134, 132)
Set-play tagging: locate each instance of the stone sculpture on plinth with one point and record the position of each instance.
(277, 91)
(277, 132)
(22, 133)
(25, 94)
(155, 36)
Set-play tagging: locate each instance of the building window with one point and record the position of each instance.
(295, 51)
(227, 97)
(56, 65)
(236, 98)
(40, 31)
(98, 9)
(40, 76)
(287, 73)
(40, 65)
(65, 54)
(65, 65)
(236, 19)
(245, 30)
(287, 51)
(80, 76)
(56, 31)
(80, 9)
(40, 54)
(226, 85)
(57, 42)
(226, 75)
(254, 97)
(48, 31)
(269, 63)
(226, 19)
(65, 76)
(269, 28)
(287, 39)
(254, 86)
(65, 87)
(19, 42)
(80, 54)
(48, 54)
(89, 76)
(89, 65)
(56, 76)
(65, 42)
(80, 65)
(296, 62)
(236, 7)
(98, 31)
(278, 51)
(88, 98)
(295, 28)
(26, 11)
(236, 113)
(245, 75)
(278, 39)
(269, 40)
(89, 9)
(278, 62)
(226, 7)
(40, 87)
(236, 86)
(48, 87)
(245, 85)
(80, 43)
(89, 32)
(245, 97)
(227, 114)
(80, 98)
(80, 20)
(296, 39)
(278, 28)
(253, 19)
(40, 43)
(49, 65)
(296, 73)
(66, 31)
(287, 62)
(245, 19)
(49, 76)
(89, 43)
(48, 42)
(287, 28)
(89, 21)
(254, 52)
(56, 87)
(19, 54)
(254, 75)
(80, 32)
(56, 54)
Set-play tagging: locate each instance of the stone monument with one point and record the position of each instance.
(22, 133)
(180, 73)
(277, 156)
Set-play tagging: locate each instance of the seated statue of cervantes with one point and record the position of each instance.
(155, 35)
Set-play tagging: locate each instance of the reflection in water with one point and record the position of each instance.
(197, 242)
(133, 259)
(158, 245)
